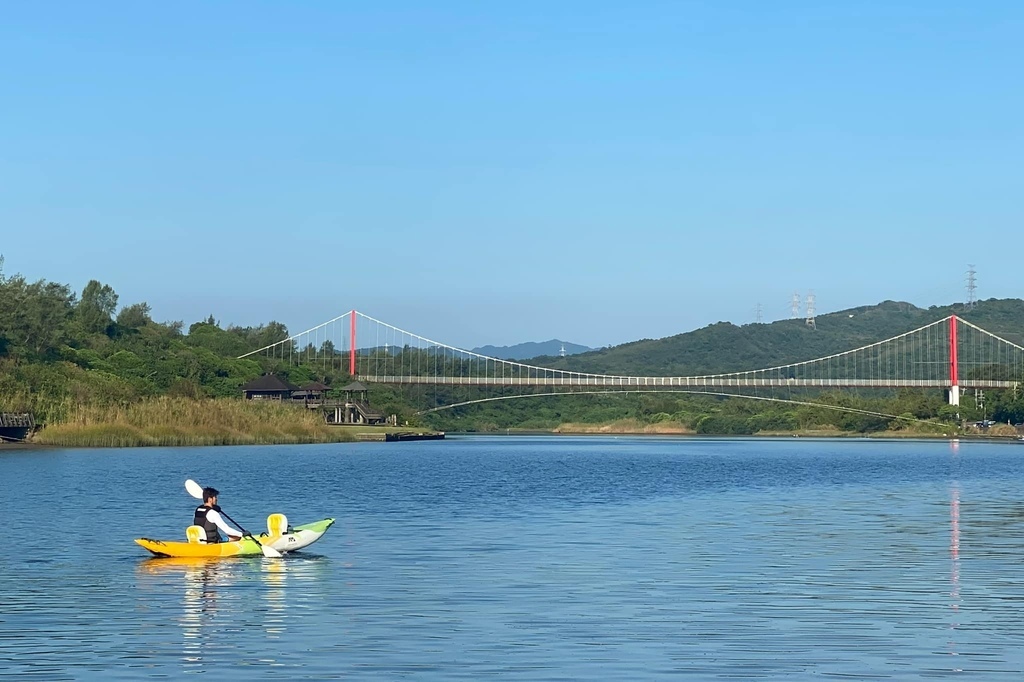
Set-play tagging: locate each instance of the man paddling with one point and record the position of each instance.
(208, 517)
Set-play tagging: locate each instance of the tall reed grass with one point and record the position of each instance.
(183, 421)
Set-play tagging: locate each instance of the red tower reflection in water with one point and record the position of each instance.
(954, 553)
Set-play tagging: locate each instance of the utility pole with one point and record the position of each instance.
(972, 286)
(794, 307)
(810, 310)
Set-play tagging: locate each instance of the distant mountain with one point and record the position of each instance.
(725, 347)
(532, 349)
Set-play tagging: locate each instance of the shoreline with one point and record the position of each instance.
(810, 433)
(352, 434)
(375, 434)
(333, 434)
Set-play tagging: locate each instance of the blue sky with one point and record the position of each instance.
(483, 173)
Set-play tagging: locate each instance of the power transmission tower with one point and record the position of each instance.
(757, 314)
(810, 310)
(561, 351)
(794, 307)
(972, 286)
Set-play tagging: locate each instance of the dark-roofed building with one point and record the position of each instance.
(269, 387)
(314, 389)
(312, 393)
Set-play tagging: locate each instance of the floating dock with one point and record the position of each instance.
(409, 435)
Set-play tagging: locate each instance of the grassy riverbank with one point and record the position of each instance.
(184, 421)
(627, 427)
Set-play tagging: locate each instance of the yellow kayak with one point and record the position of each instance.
(283, 538)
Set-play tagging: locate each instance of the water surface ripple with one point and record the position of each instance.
(525, 558)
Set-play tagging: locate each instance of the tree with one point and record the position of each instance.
(46, 320)
(134, 316)
(96, 309)
(209, 322)
(33, 317)
(263, 335)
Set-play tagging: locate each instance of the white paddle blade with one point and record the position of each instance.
(270, 552)
(194, 489)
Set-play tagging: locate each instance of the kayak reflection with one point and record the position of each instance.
(221, 595)
(275, 575)
(202, 581)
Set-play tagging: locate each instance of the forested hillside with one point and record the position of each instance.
(725, 347)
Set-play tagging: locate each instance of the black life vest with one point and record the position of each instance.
(212, 533)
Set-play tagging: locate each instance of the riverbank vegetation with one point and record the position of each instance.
(904, 412)
(95, 372)
(187, 421)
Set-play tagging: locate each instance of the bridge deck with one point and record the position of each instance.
(683, 382)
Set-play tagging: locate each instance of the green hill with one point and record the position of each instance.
(725, 347)
(532, 349)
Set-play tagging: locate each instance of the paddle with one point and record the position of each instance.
(196, 491)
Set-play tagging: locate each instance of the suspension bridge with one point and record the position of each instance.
(950, 353)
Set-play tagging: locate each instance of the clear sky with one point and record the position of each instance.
(499, 172)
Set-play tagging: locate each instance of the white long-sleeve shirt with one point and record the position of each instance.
(216, 518)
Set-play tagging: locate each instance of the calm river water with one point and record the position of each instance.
(525, 558)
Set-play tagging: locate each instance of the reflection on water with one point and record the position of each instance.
(201, 582)
(215, 591)
(275, 576)
(954, 576)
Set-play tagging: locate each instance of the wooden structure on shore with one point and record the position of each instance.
(354, 408)
(15, 426)
(410, 435)
(269, 387)
(312, 392)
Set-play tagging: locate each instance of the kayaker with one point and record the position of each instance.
(208, 517)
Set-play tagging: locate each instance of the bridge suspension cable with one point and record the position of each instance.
(936, 355)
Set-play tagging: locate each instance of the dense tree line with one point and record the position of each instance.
(58, 349)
